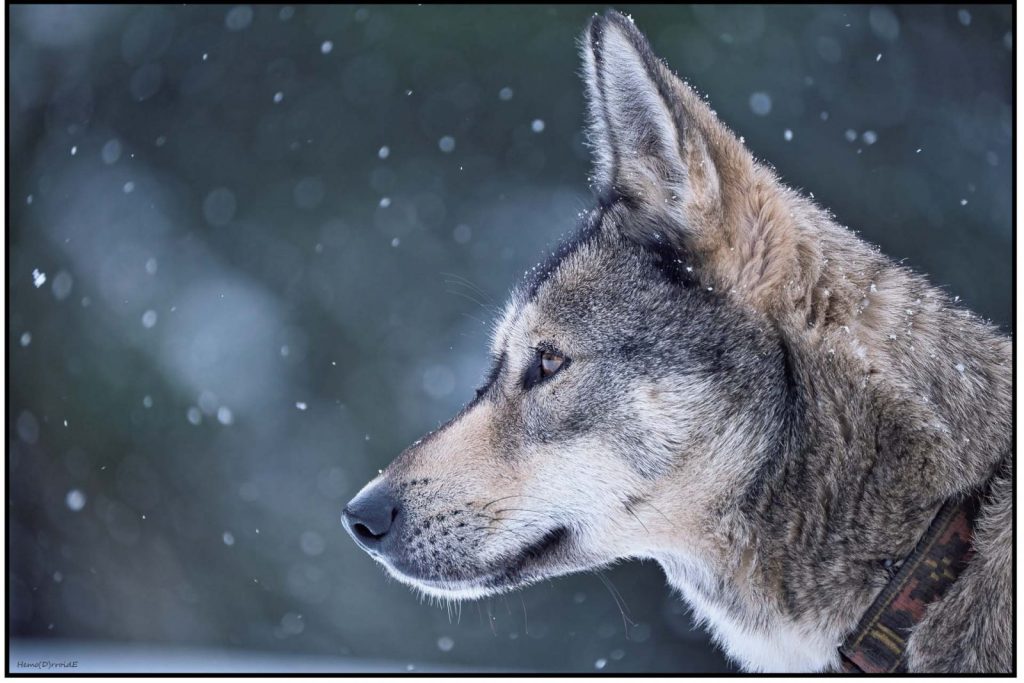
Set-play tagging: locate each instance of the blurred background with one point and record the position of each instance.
(254, 252)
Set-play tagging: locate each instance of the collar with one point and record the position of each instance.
(879, 643)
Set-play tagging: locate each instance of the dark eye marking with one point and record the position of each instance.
(492, 376)
(547, 362)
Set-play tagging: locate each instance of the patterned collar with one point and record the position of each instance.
(879, 643)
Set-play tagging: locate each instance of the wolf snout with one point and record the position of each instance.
(371, 516)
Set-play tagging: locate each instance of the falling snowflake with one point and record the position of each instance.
(75, 500)
(761, 103)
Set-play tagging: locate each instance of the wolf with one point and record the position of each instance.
(715, 375)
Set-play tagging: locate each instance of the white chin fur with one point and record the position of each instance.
(468, 593)
(460, 591)
(447, 591)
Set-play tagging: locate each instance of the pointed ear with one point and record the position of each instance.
(685, 178)
(648, 130)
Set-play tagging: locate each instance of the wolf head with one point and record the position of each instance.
(638, 383)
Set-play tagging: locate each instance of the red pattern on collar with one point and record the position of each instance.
(879, 643)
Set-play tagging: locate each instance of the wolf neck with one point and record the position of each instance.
(754, 634)
(903, 400)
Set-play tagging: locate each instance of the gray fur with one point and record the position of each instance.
(756, 398)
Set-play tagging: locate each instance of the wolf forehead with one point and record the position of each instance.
(614, 215)
(612, 299)
(601, 267)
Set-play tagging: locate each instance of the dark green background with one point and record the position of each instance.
(277, 278)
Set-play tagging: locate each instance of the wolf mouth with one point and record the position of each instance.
(530, 563)
(539, 550)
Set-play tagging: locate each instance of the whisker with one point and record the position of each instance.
(620, 602)
(526, 622)
(535, 512)
(475, 319)
(490, 618)
(660, 513)
(520, 523)
(638, 520)
(515, 532)
(466, 296)
(455, 278)
(487, 307)
(522, 495)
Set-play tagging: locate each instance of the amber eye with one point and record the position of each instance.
(546, 364)
(550, 363)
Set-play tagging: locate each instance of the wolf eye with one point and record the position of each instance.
(550, 363)
(546, 364)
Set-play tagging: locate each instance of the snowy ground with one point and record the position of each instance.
(84, 657)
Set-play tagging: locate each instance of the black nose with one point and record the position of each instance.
(371, 515)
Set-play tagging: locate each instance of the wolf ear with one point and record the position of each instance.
(685, 178)
(647, 129)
